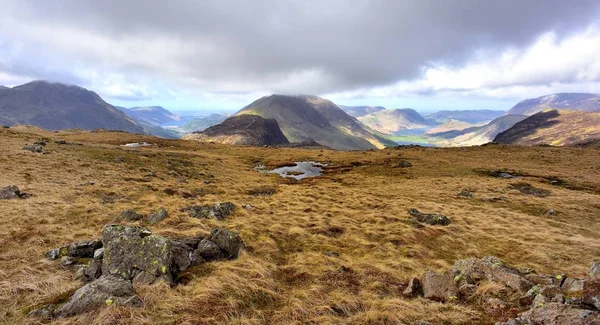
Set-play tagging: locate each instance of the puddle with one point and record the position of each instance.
(303, 169)
(136, 144)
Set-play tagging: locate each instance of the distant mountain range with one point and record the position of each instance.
(304, 118)
(202, 123)
(390, 121)
(358, 111)
(469, 116)
(153, 115)
(554, 127)
(572, 101)
(56, 106)
(477, 135)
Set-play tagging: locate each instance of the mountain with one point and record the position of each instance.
(554, 127)
(358, 111)
(248, 130)
(451, 125)
(153, 115)
(56, 106)
(204, 122)
(303, 118)
(390, 121)
(573, 101)
(478, 135)
(469, 116)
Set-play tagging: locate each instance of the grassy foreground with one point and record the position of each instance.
(290, 274)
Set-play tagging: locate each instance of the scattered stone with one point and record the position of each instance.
(429, 218)
(208, 251)
(218, 211)
(466, 193)
(67, 261)
(60, 142)
(82, 249)
(105, 291)
(262, 191)
(413, 289)
(555, 314)
(12, 192)
(34, 148)
(158, 216)
(550, 212)
(331, 253)
(404, 164)
(528, 189)
(591, 286)
(228, 241)
(248, 207)
(505, 175)
(129, 215)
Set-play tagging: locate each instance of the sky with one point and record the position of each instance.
(221, 55)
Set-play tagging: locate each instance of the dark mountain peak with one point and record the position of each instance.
(249, 130)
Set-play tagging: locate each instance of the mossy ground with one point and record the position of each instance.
(288, 274)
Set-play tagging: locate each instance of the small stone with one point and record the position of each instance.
(218, 211)
(331, 253)
(129, 215)
(228, 241)
(34, 148)
(158, 216)
(429, 218)
(414, 288)
(208, 251)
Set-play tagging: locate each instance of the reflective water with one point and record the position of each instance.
(136, 144)
(303, 169)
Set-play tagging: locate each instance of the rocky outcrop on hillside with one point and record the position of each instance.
(521, 296)
(244, 130)
(129, 255)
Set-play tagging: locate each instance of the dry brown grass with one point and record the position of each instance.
(358, 209)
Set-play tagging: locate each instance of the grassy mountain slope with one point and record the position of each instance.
(554, 127)
(310, 117)
(337, 249)
(153, 115)
(451, 125)
(358, 111)
(56, 106)
(574, 101)
(469, 116)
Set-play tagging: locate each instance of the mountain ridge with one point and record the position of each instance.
(574, 101)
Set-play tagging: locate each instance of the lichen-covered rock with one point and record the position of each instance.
(133, 253)
(10, 192)
(591, 286)
(208, 251)
(439, 286)
(572, 286)
(129, 215)
(158, 216)
(430, 218)
(82, 249)
(228, 241)
(34, 148)
(105, 291)
(218, 211)
(490, 268)
(555, 314)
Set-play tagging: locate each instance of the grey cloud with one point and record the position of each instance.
(352, 44)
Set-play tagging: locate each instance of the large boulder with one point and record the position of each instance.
(439, 286)
(105, 291)
(591, 286)
(134, 253)
(490, 268)
(228, 241)
(218, 211)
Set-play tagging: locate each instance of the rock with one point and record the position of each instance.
(208, 251)
(572, 286)
(472, 271)
(414, 288)
(539, 279)
(158, 216)
(404, 164)
(133, 253)
(465, 193)
(129, 215)
(556, 314)
(105, 291)
(549, 293)
(591, 286)
(495, 306)
(429, 218)
(420, 322)
(550, 212)
(92, 271)
(439, 286)
(466, 291)
(67, 261)
(12, 192)
(505, 175)
(218, 211)
(228, 241)
(44, 312)
(34, 148)
(99, 253)
(82, 249)
(331, 253)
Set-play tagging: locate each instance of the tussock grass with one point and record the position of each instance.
(289, 274)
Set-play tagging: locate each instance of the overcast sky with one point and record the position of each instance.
(192, 55)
